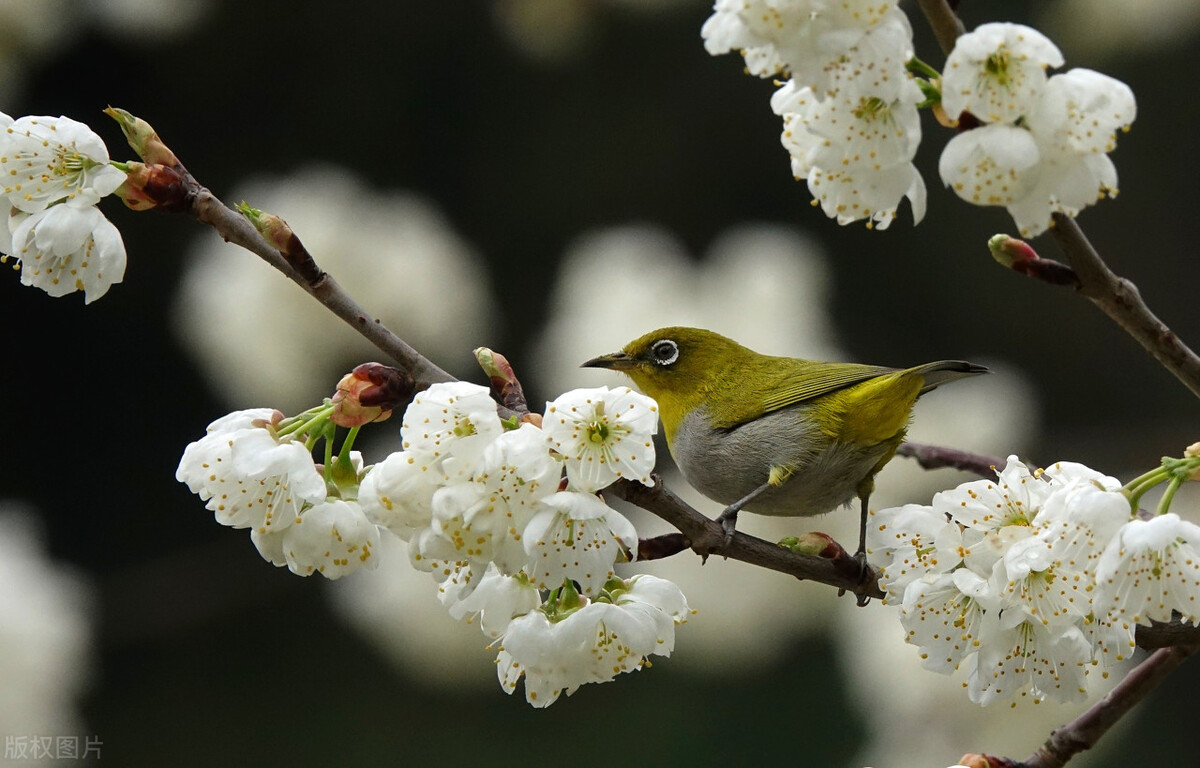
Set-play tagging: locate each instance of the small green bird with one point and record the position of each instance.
(775, 435)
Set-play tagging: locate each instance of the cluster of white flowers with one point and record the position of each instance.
(485, 508)
(1033, 581)
(1044, 141)
(851, 122)
(849, 106)
(54, 171)
(252, 477)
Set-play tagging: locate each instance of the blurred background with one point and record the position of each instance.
(549, 178)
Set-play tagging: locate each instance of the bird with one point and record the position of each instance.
(775, 435)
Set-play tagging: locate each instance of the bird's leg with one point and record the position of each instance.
(860, 554)
(728, 518)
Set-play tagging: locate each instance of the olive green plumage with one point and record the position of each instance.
(736, 420)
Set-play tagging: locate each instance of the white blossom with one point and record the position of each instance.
(912, 540)
(1043, 149)
(824, 44)
(333, 538)
(1149, 569)
(593, 643)
(990, 165)
(485, 517)
(579, 537)
(497, 600)
(1028, 660)
(941, 614)
(603, 435)
(451, 424)
(397, 493)
(851, 124)
(759, 29)
(64, 249)
(849, 196)
(44, 160)
(253, 478)
(997, 72)
(1074, 127)
(1000, 576)
(266, 499)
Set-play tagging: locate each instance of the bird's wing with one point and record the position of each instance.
(800, 385)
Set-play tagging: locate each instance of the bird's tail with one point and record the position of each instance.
(943, 371)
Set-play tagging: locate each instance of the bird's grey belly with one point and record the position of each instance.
(725, 465)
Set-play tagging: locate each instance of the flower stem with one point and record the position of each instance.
(918, 67)
(1164, 504)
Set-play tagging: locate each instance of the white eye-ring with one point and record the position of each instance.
(664, 351)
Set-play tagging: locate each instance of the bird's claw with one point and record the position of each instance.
(729, 524)
(863, 569)
(728, 521)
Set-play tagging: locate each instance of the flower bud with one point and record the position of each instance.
(1019, 256)
(813, 544)
(143, 138)
(153, 186)
(273, 229)
(1010, 251)
(369, 393)
(506, 389)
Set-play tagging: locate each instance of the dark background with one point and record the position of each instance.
(205, 656)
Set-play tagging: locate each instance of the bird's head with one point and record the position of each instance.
(676, 366)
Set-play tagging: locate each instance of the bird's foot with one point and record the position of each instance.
(728, 518)
(728, 521)
(863, 569)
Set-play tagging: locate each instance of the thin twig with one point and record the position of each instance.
(945, 23)
(1084, 731)
(936, 457)
(235, 228)
(1119, 299)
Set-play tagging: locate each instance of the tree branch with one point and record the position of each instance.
(936, 457)
(235, 228)
(945, 23)
(1084, 731)
(1119, 299)
(833, 566)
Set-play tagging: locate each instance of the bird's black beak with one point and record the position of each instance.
(617, 361)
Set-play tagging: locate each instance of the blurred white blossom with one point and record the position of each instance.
(554, 31)
(765, 285)
(35, 29)
(45, 634)
(259, 337)
(1117, 27)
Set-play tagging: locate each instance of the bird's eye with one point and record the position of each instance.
(665, 352)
